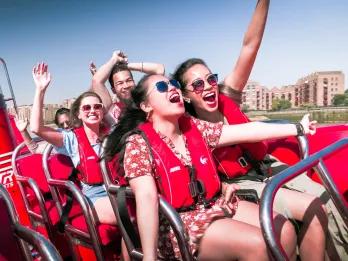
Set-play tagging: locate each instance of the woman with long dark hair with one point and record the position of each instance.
(161, 150)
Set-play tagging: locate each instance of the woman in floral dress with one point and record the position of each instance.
(228, 228)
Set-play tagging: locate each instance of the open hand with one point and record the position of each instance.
(309, 127)
(21, 124)
(92, 68)
(41, 76)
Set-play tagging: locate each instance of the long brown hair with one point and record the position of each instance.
(75, 108)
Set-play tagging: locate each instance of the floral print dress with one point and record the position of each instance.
(137, 162)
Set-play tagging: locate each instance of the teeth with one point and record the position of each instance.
(209, 95)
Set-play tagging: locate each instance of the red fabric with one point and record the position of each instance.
(108, 233)
(227, 157)
(89, 169)
(172, 174)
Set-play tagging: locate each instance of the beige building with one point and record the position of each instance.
(316, 89)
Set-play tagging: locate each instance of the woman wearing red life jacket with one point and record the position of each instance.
(82, 143)
(164, 151)
(235, 162)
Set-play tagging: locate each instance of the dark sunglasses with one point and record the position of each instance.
(163, 86)
(88, 107)
(198, 85)
(62, 124)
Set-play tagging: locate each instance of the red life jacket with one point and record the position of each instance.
(89, 169)
(231, 159)
(172, 177)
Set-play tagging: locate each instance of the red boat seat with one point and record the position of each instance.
(336, 163)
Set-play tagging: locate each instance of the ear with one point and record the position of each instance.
(145, 107)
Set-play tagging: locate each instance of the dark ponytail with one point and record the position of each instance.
(131, 117)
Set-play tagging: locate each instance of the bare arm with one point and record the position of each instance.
(148, 68)
(251, 43)
(259, 131)
(147, 214)
(22, 127)
(42, 79)
(102, 75)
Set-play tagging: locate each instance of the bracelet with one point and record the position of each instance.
(300, 129)
(142, 67)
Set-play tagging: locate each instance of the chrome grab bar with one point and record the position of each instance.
(13, 99)
(269, 192)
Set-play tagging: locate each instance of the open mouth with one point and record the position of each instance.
(174, 98)
(210, 97)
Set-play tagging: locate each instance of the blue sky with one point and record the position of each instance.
(302, 36)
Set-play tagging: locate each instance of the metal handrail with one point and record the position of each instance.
(269, 192)
(9, 85)
(45, 247)
(43, 218)
(91, 222)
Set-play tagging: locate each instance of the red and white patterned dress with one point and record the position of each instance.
(137, 162)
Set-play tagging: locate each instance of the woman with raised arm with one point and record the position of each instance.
(81, 143)
(249, 165)
(164, 151)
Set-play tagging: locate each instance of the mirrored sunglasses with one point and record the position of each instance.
(88, 107)
(198, 85)
(163, 86)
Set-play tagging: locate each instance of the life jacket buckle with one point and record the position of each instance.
(242, 162)
(196, 188)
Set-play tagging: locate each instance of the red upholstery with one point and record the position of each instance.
(336, 164)
(61, 167)
(9, 249)
(286, 150)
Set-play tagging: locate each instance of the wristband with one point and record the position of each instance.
(300, 129)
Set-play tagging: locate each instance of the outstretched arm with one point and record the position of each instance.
(251, 43)
(42, 79)
(145, 192)
(259, 131)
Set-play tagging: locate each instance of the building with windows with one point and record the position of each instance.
(316, 89)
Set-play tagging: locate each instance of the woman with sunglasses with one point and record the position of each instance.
(161, 150)
(81, 143)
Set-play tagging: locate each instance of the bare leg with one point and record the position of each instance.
(249, 213)
(228, 239)
(104, 211)
(311, 211)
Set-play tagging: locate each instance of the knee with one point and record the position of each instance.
(316, 214)
(286, 231)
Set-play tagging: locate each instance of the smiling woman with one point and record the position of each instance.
(82, 143)
(163, 150)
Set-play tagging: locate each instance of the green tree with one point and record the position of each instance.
(340, 99)
(280, 104)
(245, 108)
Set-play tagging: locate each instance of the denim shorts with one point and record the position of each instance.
(93, 192)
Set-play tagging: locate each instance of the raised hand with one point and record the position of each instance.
(92, 68)
(309, 127)
(119, 57)
(21, 124)
(41, 76)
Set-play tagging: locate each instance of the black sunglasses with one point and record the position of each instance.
(198, 85)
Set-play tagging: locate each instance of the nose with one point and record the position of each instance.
(207, 85)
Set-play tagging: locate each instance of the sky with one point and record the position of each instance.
(301, 37)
